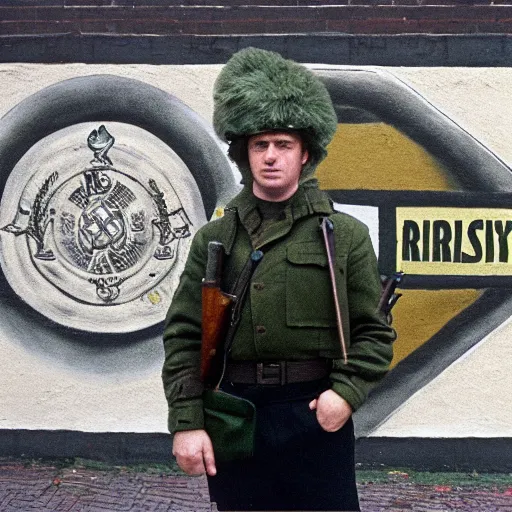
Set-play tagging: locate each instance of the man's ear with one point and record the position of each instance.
(305, 156)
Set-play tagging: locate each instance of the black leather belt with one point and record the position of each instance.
(277, 372)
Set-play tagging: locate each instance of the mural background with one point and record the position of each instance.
(88, 387)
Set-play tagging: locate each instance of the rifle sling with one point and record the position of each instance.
(327, 227)
(239, 292)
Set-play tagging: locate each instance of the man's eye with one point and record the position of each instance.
(259, 146)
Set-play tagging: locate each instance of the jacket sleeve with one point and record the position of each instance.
(370, 350)
(182, 344)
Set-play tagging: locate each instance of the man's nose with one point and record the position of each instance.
(270, 154)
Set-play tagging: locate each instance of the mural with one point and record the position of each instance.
(100, 237)
(442, 219)
(105, 178)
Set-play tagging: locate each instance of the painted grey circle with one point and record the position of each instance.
(53, 329)
(98, 247)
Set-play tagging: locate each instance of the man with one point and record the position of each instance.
(286, 356)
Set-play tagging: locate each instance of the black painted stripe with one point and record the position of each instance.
(403, 198)
(472, 50)
(453, 454)
(436, 454)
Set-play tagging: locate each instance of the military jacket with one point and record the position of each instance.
(289, 311)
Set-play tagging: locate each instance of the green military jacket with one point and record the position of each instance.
(289, 311)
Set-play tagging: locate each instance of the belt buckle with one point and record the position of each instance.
(271, 373)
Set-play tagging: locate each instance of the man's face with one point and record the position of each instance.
(276, 160)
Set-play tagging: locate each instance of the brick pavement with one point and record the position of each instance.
(48, 487)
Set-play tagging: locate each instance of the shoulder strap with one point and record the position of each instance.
(328, 232)
(340, 227)
(239, 292)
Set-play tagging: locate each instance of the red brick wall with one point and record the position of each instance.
(206, 17)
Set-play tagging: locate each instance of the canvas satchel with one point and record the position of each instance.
(230, 422)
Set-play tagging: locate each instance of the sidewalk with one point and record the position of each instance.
(87, 486)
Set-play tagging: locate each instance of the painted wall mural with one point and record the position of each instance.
(99, 237)
(107, 171)
(104, 180)
(442, 200)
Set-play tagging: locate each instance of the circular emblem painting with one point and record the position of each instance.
(93, 242)
(103, 182)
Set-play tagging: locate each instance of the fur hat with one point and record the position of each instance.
(259, 91)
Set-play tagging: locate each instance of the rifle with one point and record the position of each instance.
(389, 298)
(216, 306)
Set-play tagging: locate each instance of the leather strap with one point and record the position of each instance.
(239, 292)
(327, 228)
(273, 373)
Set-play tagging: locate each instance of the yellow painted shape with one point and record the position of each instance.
(376, 156)
(154, 297)
(218, 213)
(419, 314)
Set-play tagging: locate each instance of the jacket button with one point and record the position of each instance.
(258, 286)
(260, 329)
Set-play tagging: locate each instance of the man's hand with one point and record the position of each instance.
(332, 411)
(194, 452)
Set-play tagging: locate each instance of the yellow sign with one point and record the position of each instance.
(454, 241)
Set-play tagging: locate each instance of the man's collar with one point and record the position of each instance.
(308, 200)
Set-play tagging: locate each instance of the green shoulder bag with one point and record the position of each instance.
(230, 422)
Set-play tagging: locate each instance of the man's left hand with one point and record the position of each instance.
(332, 411)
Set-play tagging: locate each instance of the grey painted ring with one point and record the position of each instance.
(116, 99)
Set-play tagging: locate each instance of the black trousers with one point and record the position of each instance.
(297, 465)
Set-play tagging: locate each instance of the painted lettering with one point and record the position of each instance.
(489, 241)
(410, 237)
(457, 246)
(474, 241)
(440, 240)
(426, 240)
(502, 239)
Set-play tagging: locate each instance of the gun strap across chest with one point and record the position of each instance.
(239, 291)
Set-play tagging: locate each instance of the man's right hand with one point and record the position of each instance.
(194, 452)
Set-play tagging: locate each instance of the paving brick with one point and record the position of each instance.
(46, 487)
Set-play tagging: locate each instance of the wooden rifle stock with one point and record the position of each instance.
(216, 307)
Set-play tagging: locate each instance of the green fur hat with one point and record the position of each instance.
(259, 91)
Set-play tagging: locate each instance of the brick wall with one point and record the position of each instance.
(207, 17)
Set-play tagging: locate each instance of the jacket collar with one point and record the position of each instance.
(308, 200)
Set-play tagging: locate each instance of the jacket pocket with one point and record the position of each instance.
(309, 294)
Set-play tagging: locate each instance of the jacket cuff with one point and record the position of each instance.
(186, 415)
(350, 394)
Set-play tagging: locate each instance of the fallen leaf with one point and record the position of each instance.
(398, 474)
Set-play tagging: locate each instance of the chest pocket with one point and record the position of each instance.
(309, 296)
